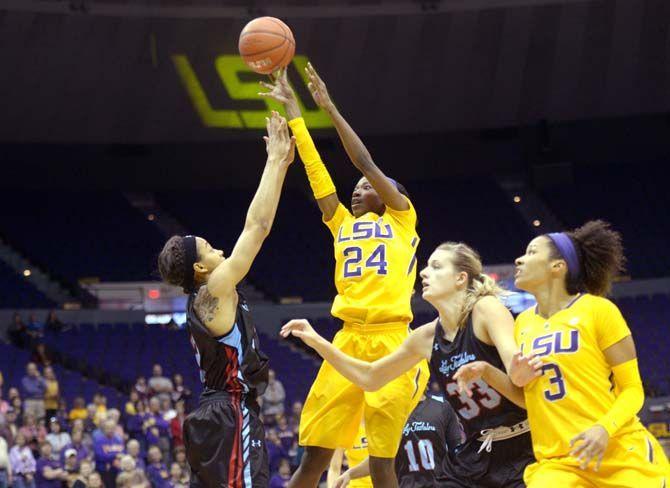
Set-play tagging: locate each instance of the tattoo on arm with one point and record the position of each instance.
(206, 305)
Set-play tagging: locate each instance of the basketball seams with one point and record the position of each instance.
(259, 53)
(283, 26)
(256, 53)
(288, 50)
(274, 33)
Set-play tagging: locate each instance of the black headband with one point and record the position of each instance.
(190, 258)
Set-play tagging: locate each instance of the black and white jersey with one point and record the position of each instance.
(431, 431)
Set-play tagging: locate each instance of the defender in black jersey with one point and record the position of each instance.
(224, 438)
(473, 326)
(430, 434)
(498, 447)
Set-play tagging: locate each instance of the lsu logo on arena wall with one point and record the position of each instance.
(229, 67)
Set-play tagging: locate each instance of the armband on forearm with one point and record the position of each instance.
(630, 399)
(317, 174)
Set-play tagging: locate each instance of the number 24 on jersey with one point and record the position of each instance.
(355, 261)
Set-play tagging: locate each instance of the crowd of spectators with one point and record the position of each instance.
(29, 334)
(45, 444)
(141, 444)
(281, 432)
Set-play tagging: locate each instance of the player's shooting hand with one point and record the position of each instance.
(524, 369)
(342, 481)
(318, 88)
(301, 329)
(592, 446)
(279, 145)
(280, 90)
(468, 374)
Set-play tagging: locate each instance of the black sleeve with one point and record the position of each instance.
(454, 434)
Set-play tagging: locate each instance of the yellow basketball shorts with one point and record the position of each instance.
(364, 482)
(633, 460)
(335, 406)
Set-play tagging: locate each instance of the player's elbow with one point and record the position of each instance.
(259, 226)
(370, 381)
(373, 386)
(264, 226)
(521, 402)
(363, 161)
(369, 385)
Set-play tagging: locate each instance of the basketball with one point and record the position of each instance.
(266, 44)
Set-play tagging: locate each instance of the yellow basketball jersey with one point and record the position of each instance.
(576, 389)
(375, 266)
(356, 455)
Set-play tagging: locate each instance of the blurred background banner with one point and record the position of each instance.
(148, 72)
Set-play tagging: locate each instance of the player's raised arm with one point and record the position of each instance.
(317, 174)
(353, 145)
(260, 216)
(370, 376)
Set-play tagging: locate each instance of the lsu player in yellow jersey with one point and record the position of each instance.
(355, 455)
(578, 367)
(375, 255)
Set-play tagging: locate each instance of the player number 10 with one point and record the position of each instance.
(354, 255)
(426, 455)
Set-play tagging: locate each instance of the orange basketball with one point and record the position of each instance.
(266, 44)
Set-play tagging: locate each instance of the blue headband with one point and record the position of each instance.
(566, 248)
(395, 183)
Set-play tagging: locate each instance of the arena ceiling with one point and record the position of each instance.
(123, 71)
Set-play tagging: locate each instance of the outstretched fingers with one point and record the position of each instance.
(311, 71)
(292, 326)
(462, 381)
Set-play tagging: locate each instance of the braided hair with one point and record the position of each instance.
(171, 262)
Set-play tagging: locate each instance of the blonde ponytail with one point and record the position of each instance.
(480, 285)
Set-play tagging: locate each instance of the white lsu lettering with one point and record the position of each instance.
(366, 230)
